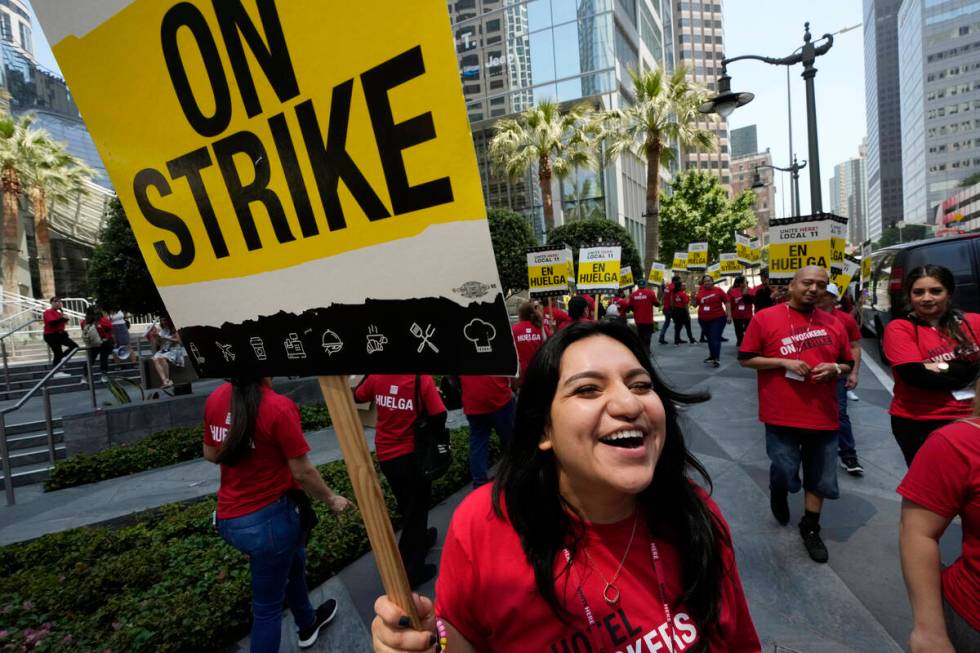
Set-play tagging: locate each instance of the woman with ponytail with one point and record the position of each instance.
(934, 356)
(593, 536)
(255, 435)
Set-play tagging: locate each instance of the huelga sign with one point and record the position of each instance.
(300, 177)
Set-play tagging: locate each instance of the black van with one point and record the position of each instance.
(884, 300)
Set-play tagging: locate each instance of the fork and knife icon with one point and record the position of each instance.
(424, 336)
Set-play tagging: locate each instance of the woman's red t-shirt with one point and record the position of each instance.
(483, 395)
(528, 339)
(907, 342)
(945, 479)
(711, 303)
(741, 304)
(483, 558)
(680, 300)
(264, 475)
(394, 397)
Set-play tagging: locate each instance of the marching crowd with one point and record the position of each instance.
(592, 534)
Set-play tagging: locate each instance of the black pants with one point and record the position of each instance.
(57, 341)
(412, 493)
(645, 331)
(682, 320)
(102, 352)
(912, 433)
(740, 327)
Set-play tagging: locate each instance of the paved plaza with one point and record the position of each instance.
(857, 602)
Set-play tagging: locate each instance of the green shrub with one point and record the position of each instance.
(155, 450)
(167, 582)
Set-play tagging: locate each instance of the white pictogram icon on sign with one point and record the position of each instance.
(294, 348)
(480, 333)
(424, 336)
(196, 353)
(258, 347)
(375, 341)
(226, 352)
(331, 342)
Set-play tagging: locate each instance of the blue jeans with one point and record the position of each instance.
(714, 329)
(480, 425)
(845, 436)
(663, 331)
(816, 451)
(271, 537)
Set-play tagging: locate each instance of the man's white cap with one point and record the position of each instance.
(832, 290)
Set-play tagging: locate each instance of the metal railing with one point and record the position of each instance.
(3, 350)
(8, 479)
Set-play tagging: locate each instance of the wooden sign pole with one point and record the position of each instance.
(367, 490)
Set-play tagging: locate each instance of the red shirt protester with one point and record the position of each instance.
(518, 619)
(54, 321)
(641, 302)
(483, 395)
(907, 342)
(103, 325)
(711, 303)
(665, 303)
(528, 339)
(591, 300)
(680, 300)
(263, 476)
(814, 337)
(945, 479)
(849, 323)
(741, 304)
(394, 397)
(554, 319)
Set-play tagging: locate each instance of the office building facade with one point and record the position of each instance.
(754, 172)
(513, 54)
(939, 70)
(699, 46)
(882, 100)
(848, 198)
(745, 141)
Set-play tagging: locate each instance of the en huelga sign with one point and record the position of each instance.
(300, 177)
(598, 269)
(547, 272)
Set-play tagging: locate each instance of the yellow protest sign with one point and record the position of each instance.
(657, 272)
(795, 243)
(626, 277)
(570, 265)
(838, 241)
(865, 263)
(680, 262)
(755, 252)
(598, 269)
(547, 273)
(843, 278)
(714, 271)
(729, 265)
(270, 154)
(697, 256)
(743, 249)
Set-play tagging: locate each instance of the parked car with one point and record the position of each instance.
(883, 298)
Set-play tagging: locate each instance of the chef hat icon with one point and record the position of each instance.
(480, 333)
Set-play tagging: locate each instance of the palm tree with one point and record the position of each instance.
(546, 137)
(16, 137)
(665, 111)
(51, 174)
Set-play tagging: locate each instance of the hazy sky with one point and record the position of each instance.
(774, 28)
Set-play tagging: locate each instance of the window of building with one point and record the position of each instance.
(25, 37)
(5, 30)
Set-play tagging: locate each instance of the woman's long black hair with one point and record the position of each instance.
(246, 395)
(527, 484)
(950, 320)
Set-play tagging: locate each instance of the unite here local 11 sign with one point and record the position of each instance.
(300, 177)
(598, 269)
(547, 272)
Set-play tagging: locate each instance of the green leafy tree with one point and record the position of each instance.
(665, 111)
(969, 181)
(583, 233)
(512, 237)
(699, 211)
(893, 235)
(545, 137)
(117, 273)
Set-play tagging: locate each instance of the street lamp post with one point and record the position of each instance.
(726, 101)
(794, 170)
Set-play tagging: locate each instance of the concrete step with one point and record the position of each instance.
(27, 428)
(27, 475)
(34, 456)
(34, 439)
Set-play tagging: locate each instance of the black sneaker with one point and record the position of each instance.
(851, 465)
(779, 504)
(431, 536)
(724, 339)
(814, 545)
(715, 363)
(324, 615)
(424, 575)
(709, 359)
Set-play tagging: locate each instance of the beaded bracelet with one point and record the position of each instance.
(441, 629)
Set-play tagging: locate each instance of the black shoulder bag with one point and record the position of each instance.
(431, 440)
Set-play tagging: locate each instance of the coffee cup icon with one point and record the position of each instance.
(375, 341)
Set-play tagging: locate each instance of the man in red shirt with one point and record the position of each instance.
(55, 334)
(666, 308)
(529, 333)
(554, 317)
(846, 448)
(488, 403)
(641, 302)
(741, 308)
(800, 352)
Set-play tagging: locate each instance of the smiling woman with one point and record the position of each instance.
(592, 537)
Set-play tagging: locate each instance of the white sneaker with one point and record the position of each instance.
(852, 396)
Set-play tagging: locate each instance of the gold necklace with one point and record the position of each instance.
(610, 592)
